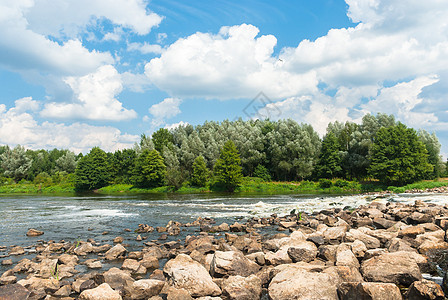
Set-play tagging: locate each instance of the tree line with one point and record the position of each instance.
(223, 152)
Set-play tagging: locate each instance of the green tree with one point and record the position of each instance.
(92, 171)
(398, 156)
(200, 172)
(174, 173)
(432, 145)
(262, 172)
(66, 163)
(329, 163)
(227, 170)
(162, 138)
(150, 170)
(15, 163)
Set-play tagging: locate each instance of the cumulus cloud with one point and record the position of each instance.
(164, 110)
(234, 63)
(19, 126)
(145, 48)
(95, 98)
(175, 125)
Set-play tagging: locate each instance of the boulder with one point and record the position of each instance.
(34, 232)
(13, 292)
(17, 250)
(425, 289)
(335, 234)
(69, 260)
(149, 261)
(394, 267)
(232, 263)
(345, 257)
(184, 272)
(304, 251)
(117, 279)
(369, 241)
(242, 288)
(115, 252)
(368, 291)
(84, 249)
(299, 281)
(359, 249)
(102, 292)
(34, 283)
(144, 288)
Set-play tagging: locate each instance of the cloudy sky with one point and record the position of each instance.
(82, 73)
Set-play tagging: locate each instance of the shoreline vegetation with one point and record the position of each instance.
(256, 156)
(249, 185)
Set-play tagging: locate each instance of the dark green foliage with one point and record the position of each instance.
(228, 171)
(92, 171)
(325, 183)
(262, 172)
(162, 138)
(398, 156)
(200, 174)
(122, 164)
(329, 163)
(150, 170)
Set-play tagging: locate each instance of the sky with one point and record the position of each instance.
(75, 74)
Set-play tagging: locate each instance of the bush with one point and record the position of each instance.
(262, 172)
(325, 183)
(42, 178)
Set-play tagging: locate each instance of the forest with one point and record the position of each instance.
(221, 154)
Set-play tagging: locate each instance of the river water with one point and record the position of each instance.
(81, 217)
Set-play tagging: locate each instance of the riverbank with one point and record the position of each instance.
(249, 185)
(382, 249)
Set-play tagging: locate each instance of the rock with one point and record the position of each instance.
(419, 218)
(374, 252)
(102, 292)
(84, 249)
(7, 262)
(232, 263)
(69, 260)
(63, 291)
(138, 238)
(118, 240)
(17, 250)
(184, 272)
(13, 292)
(224, 227)
(397, 244)
(432, 245)
(278, 258)
(359, 249)
(93, 264)
(257, 257)
(335, 234)
(131, 265)
(356, 234)
(145, 288)
(115, 252)
(236, 227)
(87, 285)
(425, 289)
(369, 291)
(391, 267)
(149, 261)
(382, 223)
(345, 257)
(328, 252)
(178, 294)
(117, 279)
(242, 288)
(4, 280)
(34, 232)
(411, 231)
(54, 247)
(305, 251)
(298, 281)
(34, 283)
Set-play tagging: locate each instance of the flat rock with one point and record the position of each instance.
(184, 272)
(102, 292)
(145, 288)
(115, 252)
(394, 267)
(13, 292)
(232, 263)
(34, 232)
(369, 291)
(242, 288)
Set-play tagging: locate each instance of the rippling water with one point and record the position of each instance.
(83, 217)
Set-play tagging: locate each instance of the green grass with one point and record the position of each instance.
(421, 185)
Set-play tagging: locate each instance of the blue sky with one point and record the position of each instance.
(85, 73)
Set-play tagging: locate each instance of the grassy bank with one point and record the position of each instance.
(249, 185)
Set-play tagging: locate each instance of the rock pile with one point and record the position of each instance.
(377, 251)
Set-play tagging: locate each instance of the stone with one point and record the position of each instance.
(34, 232)
(13, 292)
(335, 234)
(17, 250)
(369, 241)
(7, 262)
(117, 279)
(84, 249)
(397, 244)
(368, 291)
(299, 281)
(115, 252)
(34, 283)
(358, 248)
(232, 263)
(382, 223)
(63, 291)
(391, 267)
(145, 288)
(425, 289)
(93, 264)
(102, 292)
(236, 227)
(118, 240)
(242, 288)
(411, 231)
(69, 260)
(87, 285)
(305, 251)
(149, 261)
(345, 257)
(178, 294)
(130, 264)
(184, 272)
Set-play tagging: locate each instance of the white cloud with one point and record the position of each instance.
(145, 48)
(175, 125)
(114, 36)
(234, 63)
(17, 126)
(166, 109)
(95, 98)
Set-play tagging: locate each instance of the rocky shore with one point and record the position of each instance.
(377, 251)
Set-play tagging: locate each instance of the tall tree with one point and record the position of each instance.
(200, 174)
(398, 156)
(432, 145)
(92, 171)
(162, 138)
(227, 170)
(329, 163)
(15, 163)
(150, 170)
